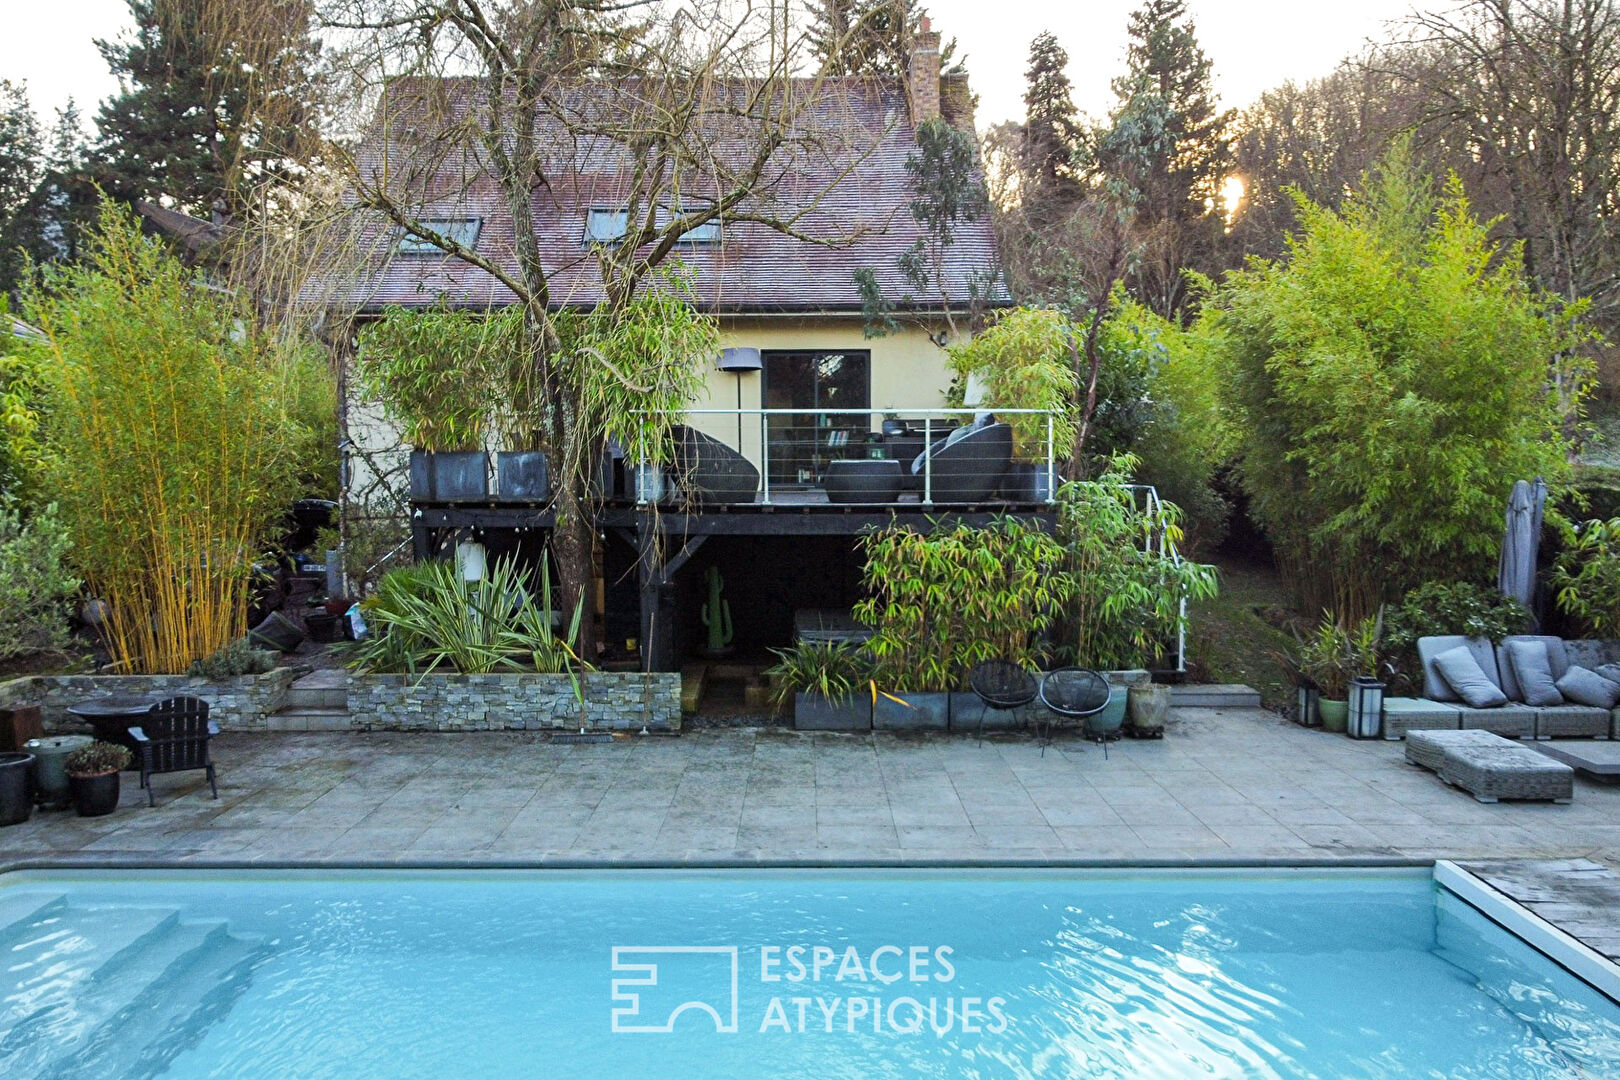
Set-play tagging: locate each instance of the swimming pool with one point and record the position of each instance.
(360, 975)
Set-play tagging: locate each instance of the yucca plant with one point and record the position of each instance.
(428, 618)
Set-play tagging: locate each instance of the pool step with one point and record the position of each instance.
(168, 1017)
(84, 987)
(20, 911)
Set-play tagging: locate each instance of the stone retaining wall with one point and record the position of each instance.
(614, 701)
(239, 704)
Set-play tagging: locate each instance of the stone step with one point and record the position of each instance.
(310, 719)
(1214, 696)
(327, 689)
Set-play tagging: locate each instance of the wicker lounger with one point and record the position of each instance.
(1403, 715)
(1489, 773)
(1427, 748)
(1512, 720)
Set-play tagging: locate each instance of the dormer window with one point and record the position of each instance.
(605, 225)
(462, 231)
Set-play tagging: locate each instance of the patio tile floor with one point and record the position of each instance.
(1229, 785)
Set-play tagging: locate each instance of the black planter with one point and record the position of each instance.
(95, 796)
(325, 628)
(812, 712)
(16, 788)
(522, 476)
(277, 632)
(462, 476)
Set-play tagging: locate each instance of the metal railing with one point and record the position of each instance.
(801, 450)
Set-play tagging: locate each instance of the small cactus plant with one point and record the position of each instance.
(717, 615)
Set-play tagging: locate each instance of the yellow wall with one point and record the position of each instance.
(908, 370)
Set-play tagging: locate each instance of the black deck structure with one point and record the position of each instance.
(661, 540)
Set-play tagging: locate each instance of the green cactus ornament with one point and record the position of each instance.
(717, 615)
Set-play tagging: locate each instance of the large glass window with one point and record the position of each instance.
(462, 231)
(838, 386)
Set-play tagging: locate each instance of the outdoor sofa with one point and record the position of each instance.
(1442, 707)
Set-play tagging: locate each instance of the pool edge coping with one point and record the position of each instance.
(1545, 937)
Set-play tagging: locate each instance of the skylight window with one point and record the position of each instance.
(604, 225)
(462, 231)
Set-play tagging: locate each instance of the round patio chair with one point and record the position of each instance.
(1074, 694)
(1001, 685)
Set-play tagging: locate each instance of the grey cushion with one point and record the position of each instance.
(1434, 687)
(1609, 671)
(1532, 669)
(1557, 659)
(1467, 679)
(1589, 688)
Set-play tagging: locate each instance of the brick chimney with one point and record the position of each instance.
(923, 83)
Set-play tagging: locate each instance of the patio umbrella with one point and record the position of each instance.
(1521, 539)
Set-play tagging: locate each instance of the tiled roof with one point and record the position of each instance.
(849, 179)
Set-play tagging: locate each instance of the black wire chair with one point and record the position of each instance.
(1001, 685)
(1072, 693)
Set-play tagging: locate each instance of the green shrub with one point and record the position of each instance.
(237, 658)
(22, 412)
(1457, 607)
(1024, 359)
(1385, 383)
(35, 584)
(1337, 653)
(1125, 584)
(943, 601)
(1586, 576)
(431, 369)
(428, 617)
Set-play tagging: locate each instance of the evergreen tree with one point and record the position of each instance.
(20, 166)
(1169, 143)
(215, 96)
(871, 37)
(1052, 144)
(66, 200)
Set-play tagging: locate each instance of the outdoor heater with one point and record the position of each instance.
(737, 361)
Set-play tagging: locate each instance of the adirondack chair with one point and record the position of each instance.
(173, 737)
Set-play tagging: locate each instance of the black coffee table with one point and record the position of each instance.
(112, 715)
(863, 480)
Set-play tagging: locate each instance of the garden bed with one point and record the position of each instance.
(614, 701)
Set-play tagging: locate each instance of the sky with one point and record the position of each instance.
(1255, 44)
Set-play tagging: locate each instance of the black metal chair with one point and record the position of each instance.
(1072, 693)
(173, 737)
(1001, 685)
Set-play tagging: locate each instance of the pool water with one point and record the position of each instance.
(356, 975)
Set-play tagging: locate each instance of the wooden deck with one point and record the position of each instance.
(1578, 896)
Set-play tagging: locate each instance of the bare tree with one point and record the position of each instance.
(678, 118)
(1531, 89)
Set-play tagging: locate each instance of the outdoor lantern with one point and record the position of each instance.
(1305, 714)
(738, 360)
(1366, 707)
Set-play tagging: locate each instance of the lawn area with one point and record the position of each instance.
(1238, 636)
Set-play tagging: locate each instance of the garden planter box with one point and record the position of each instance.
(812, 712)
(920, 712)
(966, 707)
(462, 476)
(522, 476)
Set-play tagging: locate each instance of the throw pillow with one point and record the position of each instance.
(1533, 668)
(1609, 671)
(1587, 687)
(1467, 679)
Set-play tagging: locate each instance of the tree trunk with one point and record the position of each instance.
(573, 541)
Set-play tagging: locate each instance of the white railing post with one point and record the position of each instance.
(928, 461)
(764, 457)
(1051, 458)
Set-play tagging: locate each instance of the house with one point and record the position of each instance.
(801, 391)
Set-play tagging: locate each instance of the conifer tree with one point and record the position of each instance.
(1052, 140)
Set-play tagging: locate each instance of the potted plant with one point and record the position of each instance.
(1366, 713)
(1148, 707)
(16, 788)
(1327, 659)
(825, 681)
(430, 369)
(93, 775)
